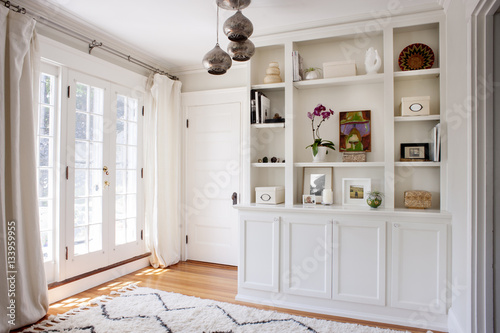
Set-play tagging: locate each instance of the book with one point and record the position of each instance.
(436, 143)
(265, 107)
(297, 63)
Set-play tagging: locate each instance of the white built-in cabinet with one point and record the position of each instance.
(391, 264)
(388, 266)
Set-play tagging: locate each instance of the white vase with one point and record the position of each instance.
(321, 155)
(312, 75)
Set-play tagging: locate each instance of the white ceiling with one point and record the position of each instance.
(179, 33)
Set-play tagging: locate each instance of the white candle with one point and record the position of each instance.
(327, 197)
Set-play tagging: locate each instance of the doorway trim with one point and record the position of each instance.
(481, 275)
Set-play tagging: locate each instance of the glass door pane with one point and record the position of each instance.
(126, 170)
(89, 148)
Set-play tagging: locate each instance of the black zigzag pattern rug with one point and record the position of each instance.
(148, 310)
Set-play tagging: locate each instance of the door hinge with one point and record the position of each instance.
(187, 239)
(66, 253)
(143, 110)
(142, 172)
(187, 123)
(69, 91)
(142, 234)
(67, 172)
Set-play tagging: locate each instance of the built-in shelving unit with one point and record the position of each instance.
(380, 93)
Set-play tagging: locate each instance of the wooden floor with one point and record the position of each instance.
(193, 278)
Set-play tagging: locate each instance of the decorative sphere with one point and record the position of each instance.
(241, 51)
(374, 201)
(216, 61)
(238, 28)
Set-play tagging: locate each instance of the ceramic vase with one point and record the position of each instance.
(374, 200)
(321, 155)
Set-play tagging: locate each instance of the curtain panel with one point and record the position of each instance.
(23, 288)
(162, 140)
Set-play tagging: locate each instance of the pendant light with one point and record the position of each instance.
(233, 4)
(241, 51)
(216, 61)
(238, 27)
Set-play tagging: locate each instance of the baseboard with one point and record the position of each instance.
(337, 312)
(69, 289)
(453, 325)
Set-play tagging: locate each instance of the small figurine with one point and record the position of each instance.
(372, 61)
(274, 159)
(260, 160)
(265, 159)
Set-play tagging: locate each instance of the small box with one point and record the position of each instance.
(270, 195)
(415, 106)
(418, 199)
(339, 68)
(355, 156)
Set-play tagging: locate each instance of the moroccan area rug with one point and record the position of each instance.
(138, 309)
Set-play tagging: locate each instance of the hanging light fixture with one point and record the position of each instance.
(241, 51)
(233, 4)
(238, 27)
(216, 61)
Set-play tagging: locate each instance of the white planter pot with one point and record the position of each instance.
(321, 155)
(312, 75)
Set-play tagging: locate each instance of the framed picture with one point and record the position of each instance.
(316, 180)
(354, 190)
(355, 131)
(414, 151)
(308, 200)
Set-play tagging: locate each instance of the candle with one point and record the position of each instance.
(327, 197)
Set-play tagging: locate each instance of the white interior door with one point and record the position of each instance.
(211, 176)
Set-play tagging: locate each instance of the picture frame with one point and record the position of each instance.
(354, 190)
(414, 152)
(316, 180)
(308, 200)
(355, 131)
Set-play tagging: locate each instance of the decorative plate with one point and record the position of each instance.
(416, 56)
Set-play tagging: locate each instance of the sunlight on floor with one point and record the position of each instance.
(153, 271)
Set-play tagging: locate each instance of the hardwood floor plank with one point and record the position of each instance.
(193, 278)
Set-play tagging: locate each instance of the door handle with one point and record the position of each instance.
(235, 198)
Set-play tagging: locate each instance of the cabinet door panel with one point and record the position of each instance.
(259, 262)
(307, 258)
(359, 262)
(419, 266)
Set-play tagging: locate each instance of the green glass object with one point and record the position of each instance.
(374, 200)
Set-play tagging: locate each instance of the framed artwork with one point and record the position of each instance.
(308, 200)
(414, 151)
(355, 131)
(316, 180)
(354, 190)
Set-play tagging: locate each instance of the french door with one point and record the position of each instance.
(102, 174)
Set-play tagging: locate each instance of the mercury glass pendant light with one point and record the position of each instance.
(233, 4)
(238, 27)
(216, 61)
(241, 51)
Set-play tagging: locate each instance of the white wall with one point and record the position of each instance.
(200, 80)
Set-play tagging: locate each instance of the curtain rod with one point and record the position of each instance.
(92, 42)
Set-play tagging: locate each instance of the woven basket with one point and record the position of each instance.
(418, 199)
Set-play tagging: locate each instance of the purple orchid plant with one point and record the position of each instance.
(324, 114)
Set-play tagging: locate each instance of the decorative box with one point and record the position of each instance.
(415, 106)
(339, 69)
(418, 199)
(355, 156)
(270, 195)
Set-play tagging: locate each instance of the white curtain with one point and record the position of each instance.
(162, 124)
(23, 288)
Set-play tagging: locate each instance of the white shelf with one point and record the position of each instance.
(340, 165)
(417, 74)
(434, 117)
(269, 86)
(339, 81)
(269, 125)
(418, 164)
(268, 165)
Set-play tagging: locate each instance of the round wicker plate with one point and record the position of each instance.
(416, 56)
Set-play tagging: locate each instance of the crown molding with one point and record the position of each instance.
(51, 11)
(445, 4)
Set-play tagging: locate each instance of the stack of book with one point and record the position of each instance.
(298, 66)
(260, 107)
